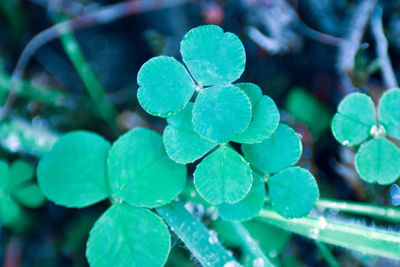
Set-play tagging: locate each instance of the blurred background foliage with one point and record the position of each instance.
(306, 55)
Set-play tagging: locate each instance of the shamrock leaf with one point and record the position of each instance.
(73, 173)
(293, 190)
(223, 177)
(265, 116)
(182, 143)
(17, 187)
(141, 173)
(214, 59)
(356, 115)
(378, 158)
(212, 56)
(220, 112)
(128, 236)
(248, 207)
(165, 86)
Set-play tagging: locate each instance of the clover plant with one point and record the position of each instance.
(135, 174)
(357, 122)
(205, 111)
(17, 188)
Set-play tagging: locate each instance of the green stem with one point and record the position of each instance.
(385, 213)
(204, 246)
(89, 79)
(364, 239)
(327, 254)
(250, 245)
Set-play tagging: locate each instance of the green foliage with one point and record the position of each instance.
(222, 112)
(293, 190)
(223, 177)
(135, 172)
(17, 187)
(74, 174)
(378, 158)
(128, 236)
(140, 172)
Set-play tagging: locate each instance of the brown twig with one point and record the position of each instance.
(104, 15)
(389, 78)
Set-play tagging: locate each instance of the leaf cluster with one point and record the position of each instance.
(205, 111)
(357, 122)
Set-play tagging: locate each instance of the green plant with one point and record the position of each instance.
(223, 112)
(356, 122)
(135, 173)
(17, 188)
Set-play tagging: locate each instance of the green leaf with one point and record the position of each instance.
(10, 211)
(30, 196)
(73, 173)
(293, 192)
(165, 86)
(20, 172)
(128, 236)
(283, 149)
(265, 116)
(223, 177)
(378, 161)
(4, 175)
(140, 171)
(220, 112)
(182, 143)
(389, 112)
(248, 207)
(354, 120)
(212, 56)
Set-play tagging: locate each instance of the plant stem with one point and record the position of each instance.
(250, 245)
(89, 79)
(204, 246)
(385, 213)
(327, 254)
(364, 239)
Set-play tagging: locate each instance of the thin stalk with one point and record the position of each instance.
(327, 254)
(364, 239)
(251, 246)
(89, 79)
(386, 213)
(202, 243)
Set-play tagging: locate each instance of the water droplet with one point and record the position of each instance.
(189, 207)
(273, 253)
(231, 264)
(345, 142)
(230, 253)
(13, 143)
(259, 262)
(314, 233)
(299, 136)
(213, 237)
(322, 223)
(377, 131)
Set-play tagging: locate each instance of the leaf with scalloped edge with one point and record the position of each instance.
(165, 87)
(73, 173)
(283, 149)
(128, 236)
(182, 143)
(389, 112)
(212, 56)
(220, 112)
(223, 177)
(293, 192)
(140, 171)
(378, 161)
(352, 124)
(265, 116)
(248, 207)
